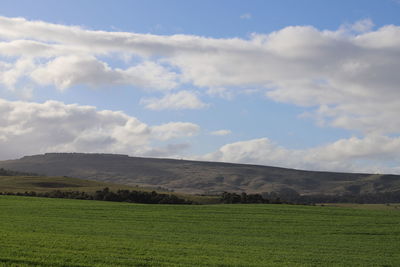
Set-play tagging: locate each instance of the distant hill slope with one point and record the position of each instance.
(42, 184)
(199, 177)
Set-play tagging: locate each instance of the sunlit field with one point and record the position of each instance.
(62, 232)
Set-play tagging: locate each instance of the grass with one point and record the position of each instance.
(62, 232)
(388, 206)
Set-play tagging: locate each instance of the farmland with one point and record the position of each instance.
(43, 184)
(62, 232)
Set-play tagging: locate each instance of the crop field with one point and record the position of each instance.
(63, 232)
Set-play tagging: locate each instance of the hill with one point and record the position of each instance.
(200, 177)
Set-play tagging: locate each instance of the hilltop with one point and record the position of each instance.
(200, 177)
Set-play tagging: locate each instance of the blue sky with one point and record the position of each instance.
(303, 83)
(218, 19)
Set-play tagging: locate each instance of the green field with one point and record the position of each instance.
(62, 232)
(388, 206)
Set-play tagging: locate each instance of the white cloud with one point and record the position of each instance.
(175, 130)
(170, 151)
(68, 71)
(220, 92)
(362, 26)
(32, 128)
(65, 72)
(369, 154)
(11, 73)
(180, 100)
(246, 16)
(221, 132)
(149, 75)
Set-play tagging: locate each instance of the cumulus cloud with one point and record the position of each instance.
(31, 128)
(368, 154)
(65, 72)
(180, 100)
(11, 73)
(338, 73)
(221, 132)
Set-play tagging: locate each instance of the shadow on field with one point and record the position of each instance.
(15, 262)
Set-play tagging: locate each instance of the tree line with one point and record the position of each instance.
(226, 197)
(293, 197)
(367, 198)
(244, 198)
(107, 195)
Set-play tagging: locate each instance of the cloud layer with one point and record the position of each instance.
(347, 75)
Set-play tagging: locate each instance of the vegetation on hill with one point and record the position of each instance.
(201, 177)
(107, 195)
(4, 172)
(276, 198)
(64, 232)
(41, 184)
(67, 187)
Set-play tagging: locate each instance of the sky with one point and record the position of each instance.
(304, 84)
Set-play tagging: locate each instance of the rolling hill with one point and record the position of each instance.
(200, 177)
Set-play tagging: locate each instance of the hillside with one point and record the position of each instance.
(41, 184)
(46, 184)
(199, 177)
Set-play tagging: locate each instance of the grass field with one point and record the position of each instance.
(389, 206)
(62, 232)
